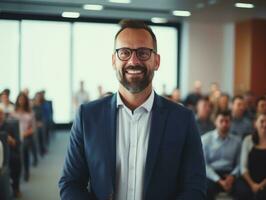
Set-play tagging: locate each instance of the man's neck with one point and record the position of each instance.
(223, 135)
(203, 117)
(134, 100)
(237, 116)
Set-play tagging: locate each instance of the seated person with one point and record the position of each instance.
(203, 116)
(240, 125)
(252, 184)
(261, 105)
(221, 151)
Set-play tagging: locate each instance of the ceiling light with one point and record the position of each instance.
(158, 20)
(212, 2)
(200, 5)
(70, 14)
(119, 1)
(244, 5)
(181, 13)
(92, 7)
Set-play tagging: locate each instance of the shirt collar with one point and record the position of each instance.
(218, 137)
(147, 105)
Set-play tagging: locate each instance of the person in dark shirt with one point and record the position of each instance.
(252, 185)
(203, 119)
(193, 97)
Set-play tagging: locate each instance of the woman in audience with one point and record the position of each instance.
(26, 122)
(253, 163)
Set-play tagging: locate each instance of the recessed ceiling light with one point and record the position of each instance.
(70, 14)
(244, 5)
(92, 7)
(212, 2)
(119, 1)
(182, 13)
(159, 20)
(200, 5)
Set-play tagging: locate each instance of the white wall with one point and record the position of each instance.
(207, 55)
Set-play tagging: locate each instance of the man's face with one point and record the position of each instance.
(238, 107)
(223, 102)
(135, 75)
(222, 123)
(203, 109)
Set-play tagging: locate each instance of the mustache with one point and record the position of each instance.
(135, 67)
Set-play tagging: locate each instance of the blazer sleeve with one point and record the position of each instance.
(75, 177)
(193, 175)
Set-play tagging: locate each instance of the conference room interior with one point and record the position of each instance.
(49, 50)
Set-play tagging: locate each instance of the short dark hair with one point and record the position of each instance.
(204, 98)
(6, 92)
(237, 97)
(136, 24)
(225, 113)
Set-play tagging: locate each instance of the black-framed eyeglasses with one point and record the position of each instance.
(142, 53)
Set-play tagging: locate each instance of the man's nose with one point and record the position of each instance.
(133, 59)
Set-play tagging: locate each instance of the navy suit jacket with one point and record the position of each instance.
(175, 166)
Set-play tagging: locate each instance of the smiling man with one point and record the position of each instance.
(134, 145)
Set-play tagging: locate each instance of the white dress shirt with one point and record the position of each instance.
(133, 128)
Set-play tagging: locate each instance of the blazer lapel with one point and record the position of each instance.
(159, 117)
(111, 135)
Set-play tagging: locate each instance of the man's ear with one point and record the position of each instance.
(157, 61)
(113, 61)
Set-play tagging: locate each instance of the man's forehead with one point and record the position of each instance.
(134, 35)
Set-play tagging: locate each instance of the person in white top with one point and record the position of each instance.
(252, 185)
(81, 96)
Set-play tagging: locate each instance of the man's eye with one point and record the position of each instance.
(124, 53)
(143, 53)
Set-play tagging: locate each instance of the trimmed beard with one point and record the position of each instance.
(138, 84)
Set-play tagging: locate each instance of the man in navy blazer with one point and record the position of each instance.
(134, 145)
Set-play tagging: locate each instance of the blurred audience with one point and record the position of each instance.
(193, 97)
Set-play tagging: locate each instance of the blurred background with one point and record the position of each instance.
(58, 53)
